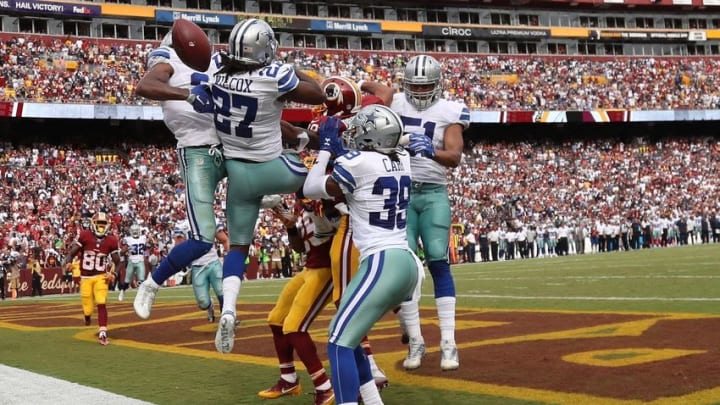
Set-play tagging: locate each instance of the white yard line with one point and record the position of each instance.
(583, 298)
(654, 276)
(21, 387)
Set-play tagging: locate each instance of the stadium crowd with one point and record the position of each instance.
(594, 188)
(56, 69)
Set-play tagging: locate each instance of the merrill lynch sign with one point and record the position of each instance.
(345, 26)
(198, 18)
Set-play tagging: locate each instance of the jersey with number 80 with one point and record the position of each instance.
(95, 252)
(377, 190)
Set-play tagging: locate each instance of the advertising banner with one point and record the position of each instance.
(299, 23)
(128, 10)
(52, 283)
(514, 33)
(459, 32)
(449, 31)
(48, 7)
(697, 35)
(644, 35)
(357, 27)
(196, 17)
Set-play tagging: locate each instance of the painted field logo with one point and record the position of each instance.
(555, 357)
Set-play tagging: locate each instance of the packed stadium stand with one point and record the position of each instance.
(56, 70)
(76, 139)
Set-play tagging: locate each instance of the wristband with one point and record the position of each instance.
(191, 98)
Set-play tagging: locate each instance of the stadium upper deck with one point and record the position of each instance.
(627, 55)
(592, 27)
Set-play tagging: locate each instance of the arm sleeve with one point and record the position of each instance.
(159, 55)
(315, 182)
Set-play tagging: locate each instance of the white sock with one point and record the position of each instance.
(290, 377)
(151, 282)
(446, 315)
(231, 290)
(409, 315)
(370, 394)
(371, 360)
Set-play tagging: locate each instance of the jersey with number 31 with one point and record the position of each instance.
(377, 190)
(247, 110)
(189, 127)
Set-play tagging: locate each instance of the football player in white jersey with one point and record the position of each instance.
(247, 97)
(436, 143)
(134, 248)
(206, 271)
(199, 154)
(374, 178)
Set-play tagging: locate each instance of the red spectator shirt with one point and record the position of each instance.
(95, 252)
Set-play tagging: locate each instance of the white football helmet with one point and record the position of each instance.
(252, 41)
(375, 127)
(135, 231)
(421, 84)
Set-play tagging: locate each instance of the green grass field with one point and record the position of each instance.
(678, 280)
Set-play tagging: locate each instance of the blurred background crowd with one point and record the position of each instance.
(56, 70)
(594, 187)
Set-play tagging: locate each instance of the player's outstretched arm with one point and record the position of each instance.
(308, 90)
(379, 90)
(154, 85)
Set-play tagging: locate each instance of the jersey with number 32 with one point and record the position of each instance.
(189, 127)
(377, 190)
(431, 122)
(247, 110)
(136, 248)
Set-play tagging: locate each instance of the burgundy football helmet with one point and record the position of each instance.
(342, 96)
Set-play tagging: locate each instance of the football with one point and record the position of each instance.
(191, 44)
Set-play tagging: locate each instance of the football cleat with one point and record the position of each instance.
(281, 388)
(102, 338)
(225, 335)
(416, 351)
(449, 359)
(144, 299)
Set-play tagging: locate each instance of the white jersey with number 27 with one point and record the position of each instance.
(247, 110)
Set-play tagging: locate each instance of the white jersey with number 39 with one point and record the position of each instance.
(190, 128)
(377, 190)
(431, 122)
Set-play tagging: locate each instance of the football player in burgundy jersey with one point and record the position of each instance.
(99, 259)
